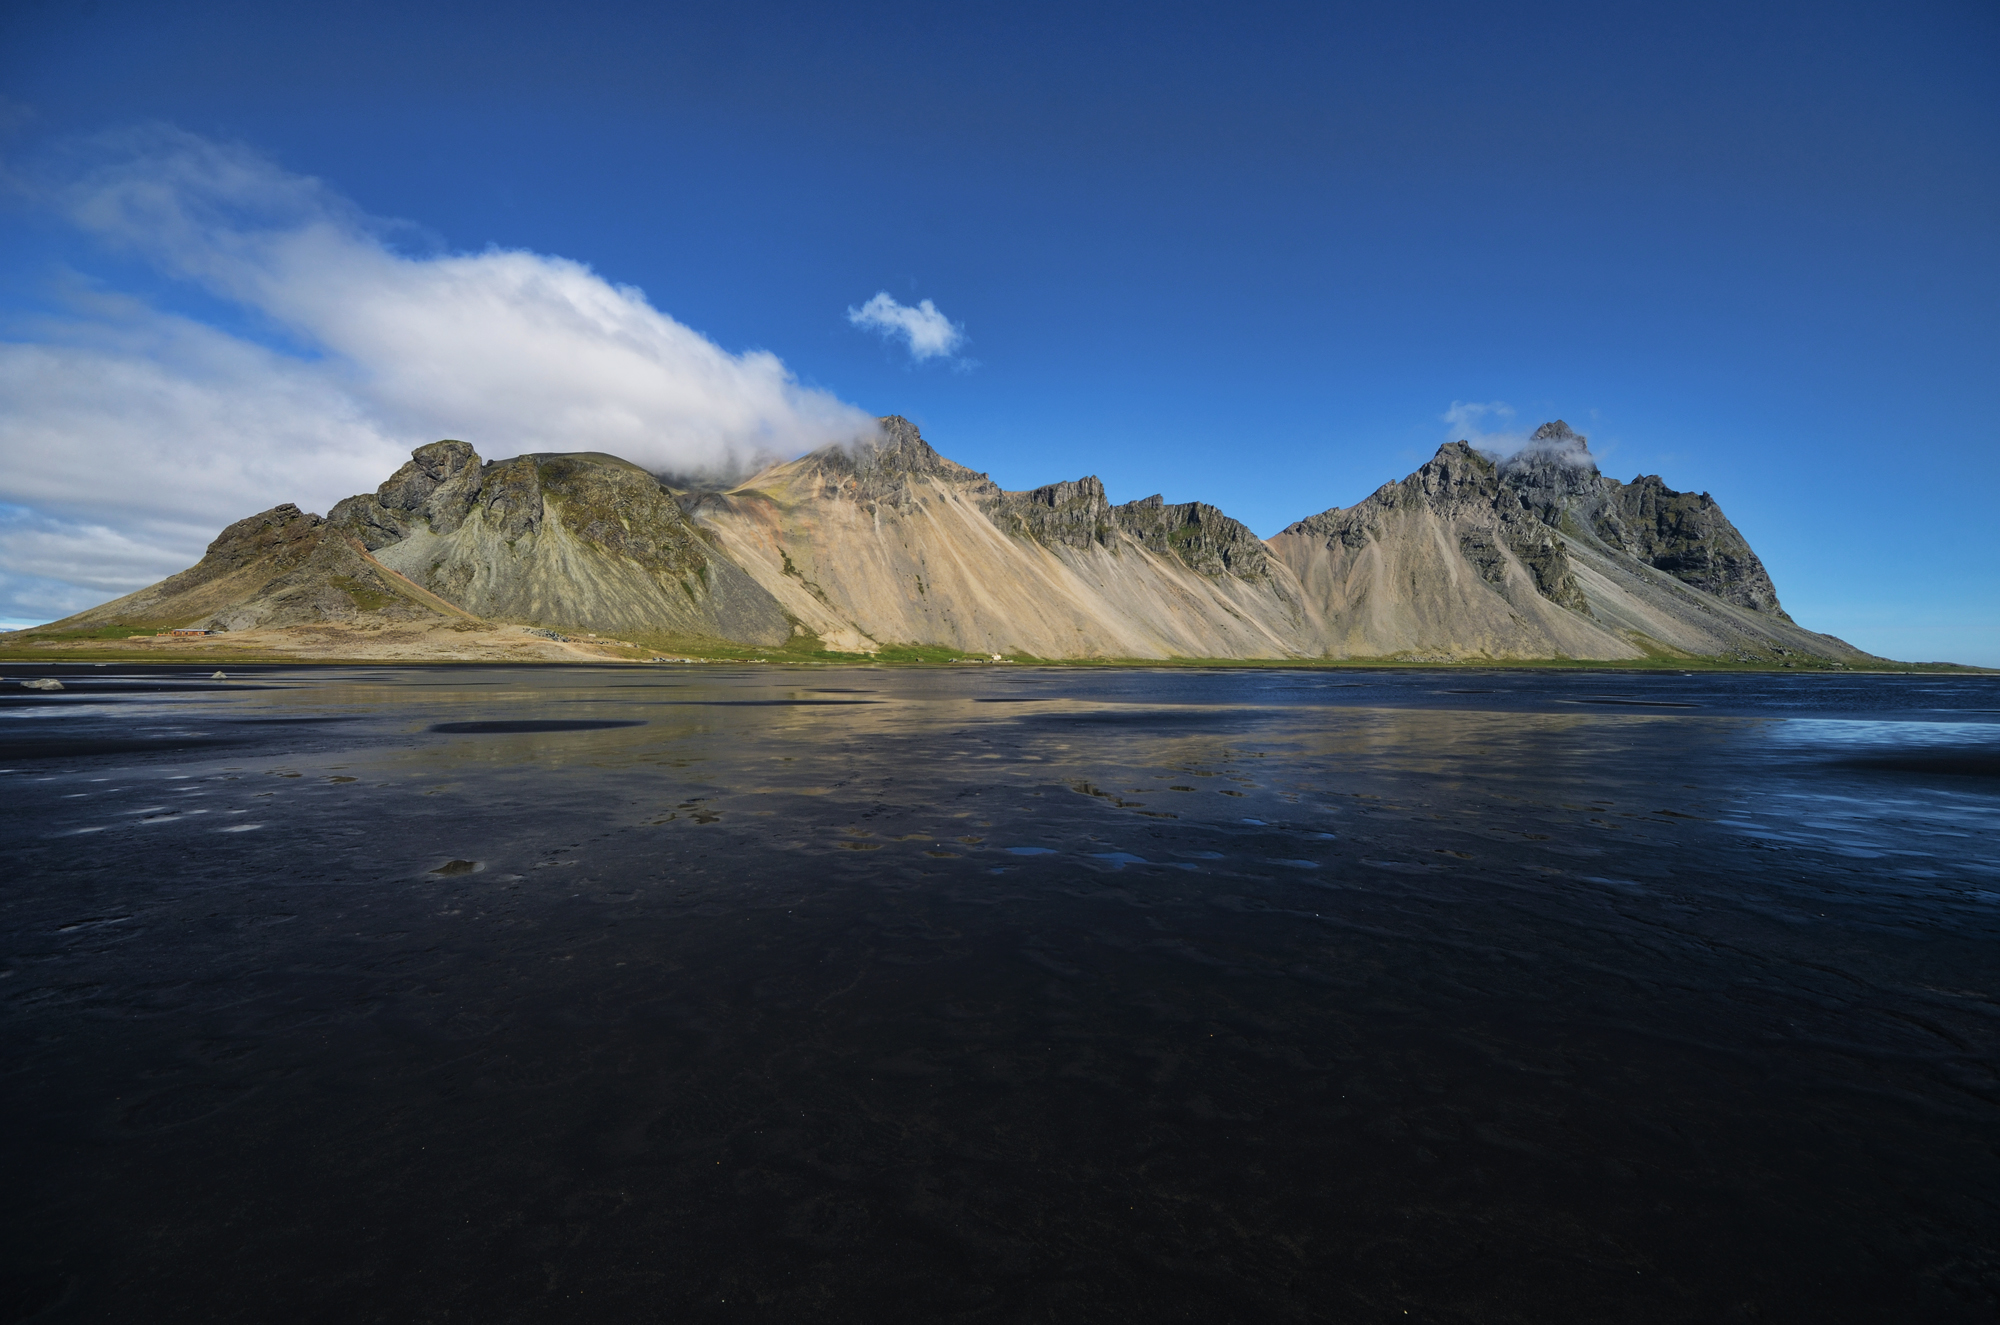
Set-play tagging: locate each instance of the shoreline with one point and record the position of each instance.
(67, 654)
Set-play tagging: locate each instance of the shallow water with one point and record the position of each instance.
(996, 994)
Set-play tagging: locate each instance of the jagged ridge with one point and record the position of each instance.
(1531, 555)
(1077, 514)
(1444, 560)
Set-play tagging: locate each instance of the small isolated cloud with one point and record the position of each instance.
(1488, 425)
(118, 415)
(929, 333)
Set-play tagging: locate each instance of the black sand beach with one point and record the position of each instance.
(995, 994)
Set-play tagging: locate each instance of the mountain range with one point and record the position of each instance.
(888, 544)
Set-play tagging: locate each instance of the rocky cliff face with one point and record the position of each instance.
(1077, 515)
(1686, 535)
(1444, 562)
(1533, 555)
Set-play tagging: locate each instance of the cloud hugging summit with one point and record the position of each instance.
(886, 543)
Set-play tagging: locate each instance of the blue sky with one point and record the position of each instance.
(1247, 254)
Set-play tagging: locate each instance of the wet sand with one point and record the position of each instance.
(490, 994)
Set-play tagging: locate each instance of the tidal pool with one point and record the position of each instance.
(998, 994)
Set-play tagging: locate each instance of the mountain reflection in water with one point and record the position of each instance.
(999, 994)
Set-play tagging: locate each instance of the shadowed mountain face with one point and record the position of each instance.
(1536, 555)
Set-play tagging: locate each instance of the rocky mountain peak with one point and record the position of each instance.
(265, 534)
(1686, 535)
(1197, 535)
(898, 448)
(1554, 467)
(880, 467)
(1077, 514)
(1456, 472)
(1555, 442)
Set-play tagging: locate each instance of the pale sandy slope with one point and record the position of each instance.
(1472, 558)
(1464, 559)
(901, 547)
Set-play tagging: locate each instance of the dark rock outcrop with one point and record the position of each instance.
(1071, 514)
(434, 489)
(1686, 535)
(1077, 514)
(1196, 534)
(1499, 505)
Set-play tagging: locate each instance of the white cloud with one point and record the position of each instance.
(1503, 440)
(54, 567)
(135, 416)
(1469, 423)
(929, 333)
(126, 417)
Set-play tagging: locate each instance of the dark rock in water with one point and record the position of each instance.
(1980, 762)
(457, 867)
